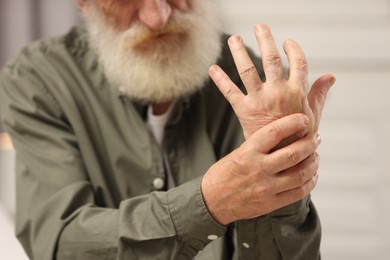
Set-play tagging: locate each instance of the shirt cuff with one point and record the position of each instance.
(192, 221)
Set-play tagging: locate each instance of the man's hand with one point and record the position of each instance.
(273, 168)
(255, 179)
(277, 96)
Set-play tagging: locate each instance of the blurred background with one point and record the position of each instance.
(348, 38)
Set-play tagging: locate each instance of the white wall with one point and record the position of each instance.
(349, 38)
(22, 21)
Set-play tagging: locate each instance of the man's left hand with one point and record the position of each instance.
(277, 96)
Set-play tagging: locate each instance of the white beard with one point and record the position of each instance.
(168, 71)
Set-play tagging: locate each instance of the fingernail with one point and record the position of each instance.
(305, 120)
(213, 70)
(234, 39)
(318, 138)
(261, 28)
(316, 177)
(332, 81)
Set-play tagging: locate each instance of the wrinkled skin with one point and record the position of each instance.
(277, 164)
(277, 96)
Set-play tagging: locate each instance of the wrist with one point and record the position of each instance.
(216, 194)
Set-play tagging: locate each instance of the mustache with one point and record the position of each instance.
(139, 33)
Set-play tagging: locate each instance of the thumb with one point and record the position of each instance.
(317, 95)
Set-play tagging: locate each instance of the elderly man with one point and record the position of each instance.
(126, 149)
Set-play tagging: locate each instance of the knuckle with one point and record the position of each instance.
(230, 93)
(248, 71)
(292, 156)
(317, 157)
(314, 143)
(261, 190)
(274, 132)
(317, 160)
(300, 177)
(301, 64)
(242, 154)
(272, 59)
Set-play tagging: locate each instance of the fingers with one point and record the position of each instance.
(317, 96)
(288, 197)
(272, 134)
(246, 69)
(291, 155)
(298, 70)
(231, 92)
(298, 175)
(272, 61)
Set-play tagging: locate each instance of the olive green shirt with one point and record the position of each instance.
(90, 175)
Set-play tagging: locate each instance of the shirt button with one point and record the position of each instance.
(158, 183)
(212, 237)
(246, 245)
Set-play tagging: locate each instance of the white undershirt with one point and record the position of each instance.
(156, 125)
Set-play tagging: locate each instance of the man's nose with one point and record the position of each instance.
(154, 13)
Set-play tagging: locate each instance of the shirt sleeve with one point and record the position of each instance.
(292, 232)
(57, 214)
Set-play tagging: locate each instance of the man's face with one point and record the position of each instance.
(121, 14)
(153, 16)
(154, 50)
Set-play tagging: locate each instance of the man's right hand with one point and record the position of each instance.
(255, 179)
